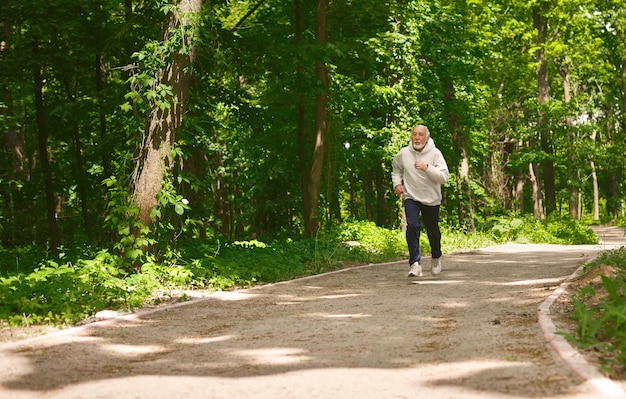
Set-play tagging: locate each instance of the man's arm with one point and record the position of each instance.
(397, 174)
(438, 172)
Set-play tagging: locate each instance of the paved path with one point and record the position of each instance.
(366, 332)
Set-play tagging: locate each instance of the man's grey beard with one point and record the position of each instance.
(419, 148)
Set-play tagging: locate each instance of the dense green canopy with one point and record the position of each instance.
(271, 117)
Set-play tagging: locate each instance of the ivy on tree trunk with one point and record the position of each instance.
(154, 159)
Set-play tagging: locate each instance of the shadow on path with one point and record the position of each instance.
(368, 332)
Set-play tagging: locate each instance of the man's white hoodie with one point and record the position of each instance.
(423, 186)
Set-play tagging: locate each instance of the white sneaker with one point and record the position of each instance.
(435, 266)
(416, 270)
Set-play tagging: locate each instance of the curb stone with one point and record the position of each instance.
(585, 370)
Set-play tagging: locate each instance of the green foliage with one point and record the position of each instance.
(373, 239)
(600, 312)
(552, 230)
(61, 293)
(132, 236)
(454, 239)
(72, 286)
(21, 260)
(65, 291)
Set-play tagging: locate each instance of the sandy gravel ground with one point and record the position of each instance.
(365, 332)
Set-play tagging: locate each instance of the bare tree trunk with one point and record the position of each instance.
(81, 181)
(154, 158)
(42, 134)
(519, 185)
(381, 199)
(537, 205)
(617, 172)
(13, 143)
(300, 130)
(519, 191)
(312, 217)
(569, 123)
(594, 179)
(543, 95)
(616, 205)
(580, 205)
(459, 140)
(499, 178)
(104, 141)
(596, 195)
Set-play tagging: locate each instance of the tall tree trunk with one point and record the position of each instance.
(594, 180)
(459, 140)
(543, 95)
(368, 193)
(311, 216)
(100, 82)
(81, 180)
(497, 176)
(617, 172)
(333, 206)
(569, 123)
(614, 206)
(104, 141)
(154, 158)
(381, 199)
(519, 191)
(221, 203)
(300, 117)
(13, 144)
(596, 193)
(537, 205)
(42, 135)
(519, 185)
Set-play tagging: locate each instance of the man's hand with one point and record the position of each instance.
(399, 189)
(419, 165)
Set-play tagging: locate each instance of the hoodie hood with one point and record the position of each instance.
(430, 144)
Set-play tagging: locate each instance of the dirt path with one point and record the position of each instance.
(366, 332)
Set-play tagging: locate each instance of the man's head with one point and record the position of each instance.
(419, 137)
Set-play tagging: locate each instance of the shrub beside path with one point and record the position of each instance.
(364, 332)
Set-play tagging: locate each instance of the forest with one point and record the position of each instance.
(144, 135)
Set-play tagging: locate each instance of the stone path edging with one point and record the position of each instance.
(568, 353)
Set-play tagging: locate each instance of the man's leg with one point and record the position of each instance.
(413, 229)
(430, 216)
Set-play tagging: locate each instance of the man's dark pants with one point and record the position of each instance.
(430, 219)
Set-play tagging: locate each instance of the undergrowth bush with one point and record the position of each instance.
(374, 241)
(600, 312)
(553, 230)
(37, 287)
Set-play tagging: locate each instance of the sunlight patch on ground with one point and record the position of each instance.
(438, 282)
(425, 380)
(338, 296)
(293, 300)
(550, 281)
(203, 340)
(502, 261)
(273, 356)
(132, 350)
(339, 316)
(456, 305)
(543, 281)
(232, 295)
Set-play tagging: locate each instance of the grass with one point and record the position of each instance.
(38, 288)
(599, 310)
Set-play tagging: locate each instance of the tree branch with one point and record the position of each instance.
(248, 14)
